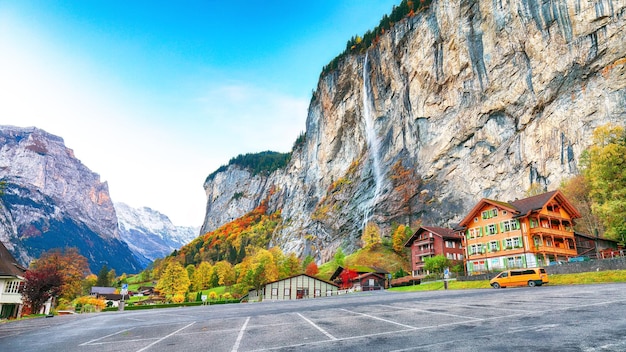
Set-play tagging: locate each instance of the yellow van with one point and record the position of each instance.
(520, 277)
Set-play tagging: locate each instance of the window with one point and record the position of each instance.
(488, 214)
(12, 287)
(318, 292)
(513, 242)
(475, 232)
(533, 223)
(274, 291)
(476, 248)
(449, 244)
(329, 293)
(287, 292)
(450, 256)
(493, 245)
(491, 229)
(509, 225)
(475, 219)
(516, 242)
(549, 242)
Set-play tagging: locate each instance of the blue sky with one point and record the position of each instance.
(155, 95)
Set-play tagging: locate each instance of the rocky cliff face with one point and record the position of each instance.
(51, 200)
(473, 98)
(150, 234)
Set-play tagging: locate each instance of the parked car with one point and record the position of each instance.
(520, 277)
(578, 259)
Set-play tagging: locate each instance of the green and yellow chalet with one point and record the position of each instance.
(528, 232)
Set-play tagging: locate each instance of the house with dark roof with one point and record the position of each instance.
(11, 279)
(360, 278)
(430, 241)
(101, 290)
(529, 232)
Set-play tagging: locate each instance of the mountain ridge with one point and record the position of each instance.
(475, 98)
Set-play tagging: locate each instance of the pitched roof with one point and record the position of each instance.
(523, 207)
(526, 205)
(102, 290)
(290, 277)
(8, 265)
(360, 269)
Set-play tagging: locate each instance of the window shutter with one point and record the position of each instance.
(480, 231)
(498, 245)
(517, 226)
(520, 242)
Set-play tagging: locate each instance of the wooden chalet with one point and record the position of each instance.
(529, 232)
(430, 241)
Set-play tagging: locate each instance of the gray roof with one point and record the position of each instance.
(8, 265)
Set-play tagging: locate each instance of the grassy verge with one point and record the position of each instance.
(556, 279)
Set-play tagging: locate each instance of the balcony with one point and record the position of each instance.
(551, 231)
(423, 241)
(422, 252)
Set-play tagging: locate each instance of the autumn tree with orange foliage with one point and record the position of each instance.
(311, 269)
(70, 264)
(229, 241)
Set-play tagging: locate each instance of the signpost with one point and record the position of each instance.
(446, 276)
(124, 292)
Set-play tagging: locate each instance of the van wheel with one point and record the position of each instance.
(496, 285)
(531, 283)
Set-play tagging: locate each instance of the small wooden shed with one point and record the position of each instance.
(295, 287)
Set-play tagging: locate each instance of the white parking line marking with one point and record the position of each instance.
(104, 337)
(430, 312)
(164, 337)
(240, 336)
(381, 319)
(135, 319)
(317, 327)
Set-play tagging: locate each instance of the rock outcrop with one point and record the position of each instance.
(473, 99)
(51, 200)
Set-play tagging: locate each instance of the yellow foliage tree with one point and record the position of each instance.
(174, 280)
(202, 276)
(371, 235)
(225, 272)
(399, 238)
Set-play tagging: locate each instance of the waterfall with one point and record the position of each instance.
(372, 140)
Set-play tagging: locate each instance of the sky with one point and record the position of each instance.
(155, 95)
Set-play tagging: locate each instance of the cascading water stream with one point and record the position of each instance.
(372, 140)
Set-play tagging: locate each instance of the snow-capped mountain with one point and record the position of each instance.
(150, 234)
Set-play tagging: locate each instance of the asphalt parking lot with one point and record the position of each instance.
(549, 318)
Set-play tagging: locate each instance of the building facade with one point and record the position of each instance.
(11, 279)
(529, 232)
(296, 287)
(430, 241)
